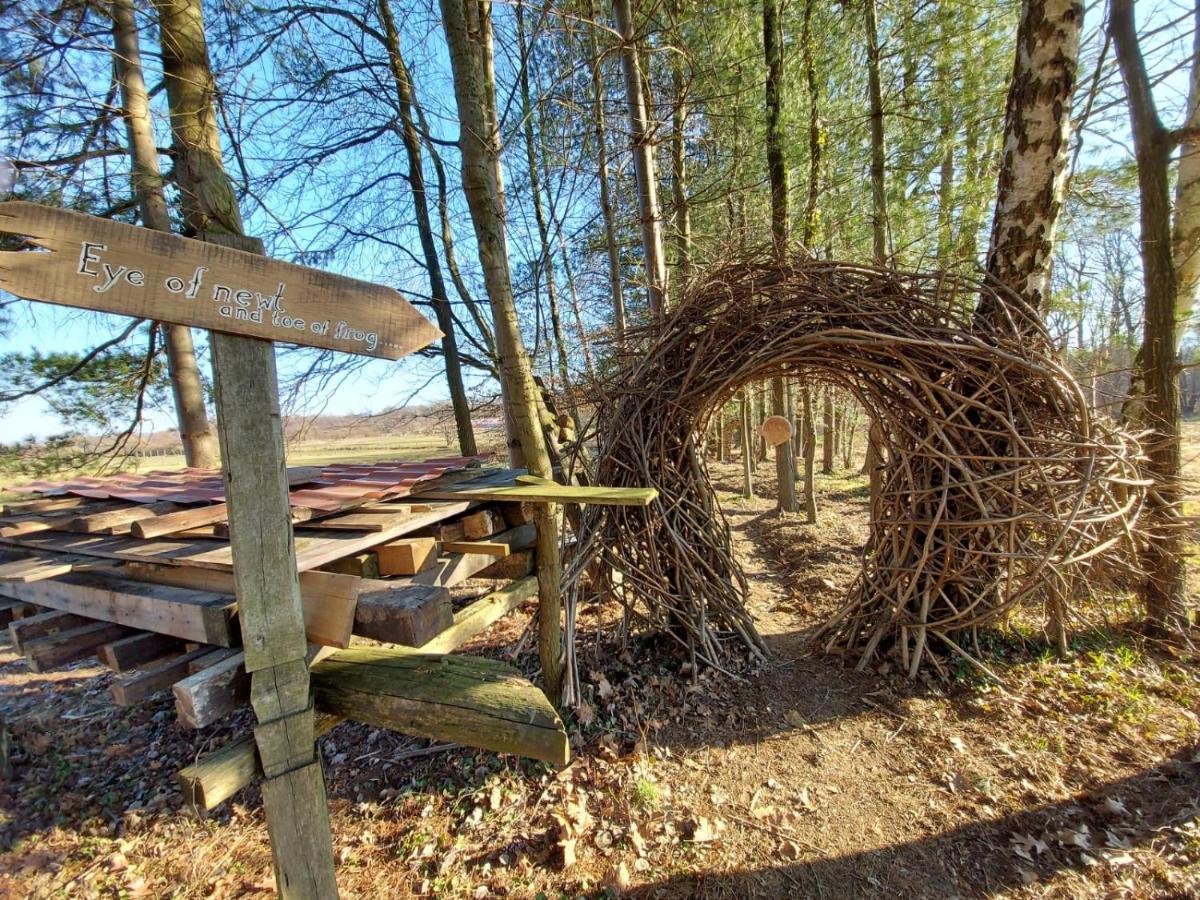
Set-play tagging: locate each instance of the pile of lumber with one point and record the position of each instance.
(147, 588)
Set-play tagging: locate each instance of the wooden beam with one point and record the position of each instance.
(137, 686)
(200, 616)
(328, 599)
(482, 524)
(182, 520)
(116, 521)
(137, 650)
(12, 609)
(475, 618)
(212, 693)
(38, 626)
(547, 492)
(217, 776)
(407, 556)
(455, 567)
(55, 650)
(407, 614)
(468, 700)
(484, 548)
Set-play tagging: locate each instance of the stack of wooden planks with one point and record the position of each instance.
(146, 587)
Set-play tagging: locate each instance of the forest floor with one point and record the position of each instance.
(1077, 778)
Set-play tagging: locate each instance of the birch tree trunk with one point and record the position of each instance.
(1165, 589)
(1033, 169)
(468, 31)
(420, 197)
(195, 431)
(643, 162)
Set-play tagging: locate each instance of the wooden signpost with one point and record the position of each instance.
(117, 268)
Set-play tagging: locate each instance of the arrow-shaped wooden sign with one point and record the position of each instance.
(113, 267)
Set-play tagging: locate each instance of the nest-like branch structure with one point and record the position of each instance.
(998, 486)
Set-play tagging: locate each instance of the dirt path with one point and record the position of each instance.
(804, 779)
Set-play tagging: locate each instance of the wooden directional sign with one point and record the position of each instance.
(775, 430)
(109, 266)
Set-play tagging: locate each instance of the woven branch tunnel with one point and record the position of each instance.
(999, 487)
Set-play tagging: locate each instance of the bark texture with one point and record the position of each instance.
(1033, 168)
(195, 431)
(468, 30)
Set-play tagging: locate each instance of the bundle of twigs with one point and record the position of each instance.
(998, 488)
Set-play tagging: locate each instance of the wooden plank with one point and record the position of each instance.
(182, 520)
(328, 599)
(200, 616)
(468, 700)
(217, 776)
(41, 625)
(361, 565)
(38, 568)
(408, 614)
(54, 650)
(311, 551)
(171, 278)
(211, 658)
(128, 653)
(212, 693)
(474, 619)
(137, 686)
(455, 567)
(407, 556)
(481, 524)
(116, 521)
(515, 565)
(49, 504)
(546, 493)
(484, 548)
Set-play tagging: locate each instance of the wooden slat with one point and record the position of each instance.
(468, 700)
(137, 650)
(328, 599)
(65, 647)
(475, 618)
(407, 614)
(192, 615)
(49, 504)
(137, 686)
(116, 521)
(212, 693)
(38, 568)
(455, 567)
(182, 520)
(31, 628)
(485, 548)
(407, 556)
(512, 491)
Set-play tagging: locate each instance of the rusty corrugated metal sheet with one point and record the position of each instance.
(338, 485)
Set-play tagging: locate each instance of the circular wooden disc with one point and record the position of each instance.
(776, 430)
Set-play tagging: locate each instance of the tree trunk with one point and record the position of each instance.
(606, 205)
(1165, 590)
(747, 451)
(827, 435)
(468, 31)
(879, 220)
(679, 197)
(1185, 236)
(420, 197)
(643, 162)
(1033, 169)
(195, 431)
(251, 436)
(785, 469)
(814, 133)
(810, 454)
(546, 263)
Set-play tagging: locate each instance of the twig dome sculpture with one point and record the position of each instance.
(999, 487)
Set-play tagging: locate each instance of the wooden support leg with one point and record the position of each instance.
(549, 572)
(271, 616)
